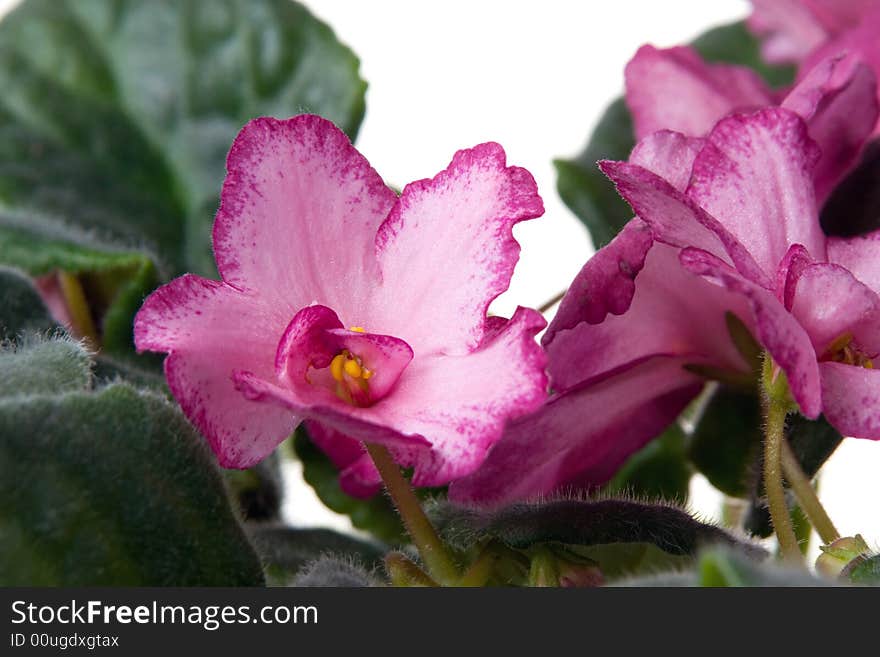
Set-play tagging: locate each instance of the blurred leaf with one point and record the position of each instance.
(854, 206)
(332, 571)
(375, 515)
(113, 487)
(285, 550)
(658, 471)
(576, 522)
(621, 560)
(735, 44)
(40, 366)
(21, 308)
(259, 490)
(864, 571)
(115, 120)
(726, 441)
(585, 189)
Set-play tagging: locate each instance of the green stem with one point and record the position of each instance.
(552, 301)
(775, 412)
(404, 572)
(78, 307)
(479, 571)
(806, 496)
(434, 553)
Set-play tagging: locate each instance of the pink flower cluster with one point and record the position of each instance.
(365, 313)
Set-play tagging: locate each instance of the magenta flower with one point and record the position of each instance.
(645, 320)
(345, 305)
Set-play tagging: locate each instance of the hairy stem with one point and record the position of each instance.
(775, 413)
(434, 553)
(806, 496)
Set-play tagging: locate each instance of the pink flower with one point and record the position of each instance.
(718, 218)
(345, 305)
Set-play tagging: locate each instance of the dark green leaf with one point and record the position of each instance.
(115, 120)
(285, 551)
(21, 308)
(576, 522)
(332, 571)
(854, 206)
(723, 568)
(259, 490)
(658, 471)
(375, 515)
(40, 366)
(587, 192)
(726, 442)
(113, 488)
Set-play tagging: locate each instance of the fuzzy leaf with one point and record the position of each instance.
(39, 366)
(115, 120)
(21, 308)
(285, 550)
(332, 571)
(864, 571)
(259, 490)
(575, 522)
(113, 488)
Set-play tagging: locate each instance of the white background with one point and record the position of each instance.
(534, 76)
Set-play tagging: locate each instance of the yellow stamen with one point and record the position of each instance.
(353, 369)
(357, 329)
(367, 374)
(337, 365)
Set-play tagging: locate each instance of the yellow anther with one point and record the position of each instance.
(357, 329)
(368, 373)
(353, 368)
(337, 366)
(868, 364)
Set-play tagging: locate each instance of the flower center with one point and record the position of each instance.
(351, 376)
(844, 350)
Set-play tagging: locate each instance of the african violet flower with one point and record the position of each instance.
(348, 306)
(728, 225)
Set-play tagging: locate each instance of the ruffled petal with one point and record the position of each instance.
(790, 30)
(668, 154)
(299, 212)
(447, 250)
(754, 175)
(582, 435)
(860, 255)
(829, 302)
(673, 313)
(851, 399)
(675, 89)
(446, 411)
(210, 329)
(838, 100)
(677, 220)
(777, 329)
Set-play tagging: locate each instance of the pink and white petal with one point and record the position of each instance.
(789, 271)
(447, 250)
(860, 41)
(358, 476)
(668, 154)
(829, 302)
(606, 283)
(673, 313)
(755, 176)
(776, 329)
(860, 255)
(299, 211)
(851, 399)
(585, 431)
(676, 219)
(675, 89)
(838, 100)
(789, 29)
(209, 329)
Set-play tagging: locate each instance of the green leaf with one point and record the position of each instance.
(864, 571)
(39, 366)
(723, 568)
(585, 189)
(583, 523)
(658, 471)
(286, 551)
(726, 442)
(259, 490)
(375, 515)
(333, 571)
(21, 308)
(115, 120)
(113, 487)
(587, 192)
